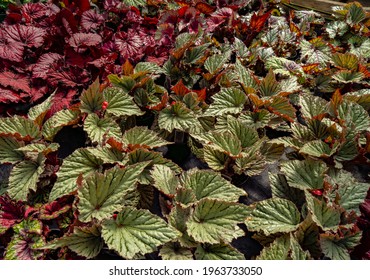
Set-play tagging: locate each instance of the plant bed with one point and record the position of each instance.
(184, 130)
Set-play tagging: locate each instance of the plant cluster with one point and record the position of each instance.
(133, 125)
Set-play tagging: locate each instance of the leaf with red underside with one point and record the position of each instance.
(11, 212)
(258, 21)
(15, 81)
(29, 36)
(46, 62)
(180, 89)
(54, 209)
(84, 40)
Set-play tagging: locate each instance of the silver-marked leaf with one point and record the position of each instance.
(283, 66)
(274, 215)
(185, 196)
(215, 62)
(297, 253)
(58, 121)
(210, 184)
(38, 112)
(217, 252)
(100, 129)
(177, 218)
(84, 241)
(345, 61)
(356, 14)
(120, 103)
(136, 231)
(278, 250)
(108, 154)
(246, 76)
(178, 116)
(346, 76)
(251, 162)
(269, 86)
(214, 221)
(247, 135)
(143, 136)
(306, 174)
(354, 114)
(8, 150)
(103, 194)
(318, 149)
(226, 101)
(172, 251)
(325, 216)
(80, 163)
(281, 107)
(148, 67)
(214, 158)
(338, 248)
(165, 179)
(226, 142)
(24, 177)
(19, 127)
(312, 106)
(92, 98)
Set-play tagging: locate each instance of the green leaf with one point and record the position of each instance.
(148, 67)
(281, 107)
(318, 149)
(351, 192)
(269, 86)
(345, 61)
(177, 218)
(308, 236)
(336, 247)
(165, 179)
(136, 231)
(103, 194)
(306, 174)
(196, 53)
(91, 98)
(215, 62)
(37, 113)
(325, 216)
(274, 215)
(84, 241)
(24, 177)
(246, 76)
(143, 136)
(19, 127)
(60, 119)
(221, 141)
(108, 155)
(315, 54)
(251, 162)
(297, 252)
(217, 252)
(356, 14)
(37, 148)
(124, 83)
(135, 3)
(247, 135)
(8, 150)
(80, 163)
(278, 250)
(214, 158)
(281, 189)
(346, 76)
(214, 221)
(120, 103)
(210, 184)
(226, 101)
(177, 116)
(185, 196)
(141, 155)
(354, 115)
(312, 106)
(172, 251)
(100, 129)
(283, 66)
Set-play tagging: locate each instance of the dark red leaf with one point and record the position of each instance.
(258, 21)
(205, 8)
(129, 44)
(46, 62)
(15, 81)
(9, 96)
(104, 60)
(12, 51)
(11, 212)
(91, 20)
(26, 35)
(180, 89)
(54, 209)
(84, 40)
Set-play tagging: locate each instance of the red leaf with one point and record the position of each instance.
(54, 209)
(202, 94)
(91, 20)
(129, 44)
(15, 81)
(12, 51)
(180, 89)
(9, 96)
(26, 35)
(46, 62)
(257, 22)
(84, 40)
(11, 212)
(205, 8)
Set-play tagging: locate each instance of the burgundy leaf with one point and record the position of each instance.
(129, 44)
(27, 35)
(53, 209)
(46, 62)
(38, 92)
(11, 212)
(34, 10)
(104, 60)
(91, 20)
(12, 51)
(84, 40)
(9, 96)
(15, 81)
